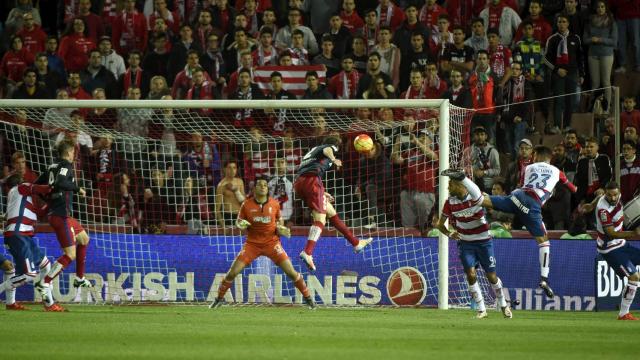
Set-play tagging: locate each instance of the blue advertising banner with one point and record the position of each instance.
(400, 271)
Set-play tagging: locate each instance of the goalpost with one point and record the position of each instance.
(151, 167)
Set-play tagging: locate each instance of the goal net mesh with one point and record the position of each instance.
(161, 204)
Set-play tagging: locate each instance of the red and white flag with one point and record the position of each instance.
(292, 77)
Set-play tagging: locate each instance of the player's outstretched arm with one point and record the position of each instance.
(610, 230)
(567, 183)
(472, 188)
(328, 152)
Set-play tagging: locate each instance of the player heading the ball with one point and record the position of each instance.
(71, 235)
(465, 213)
(526, 202)
(308, 187)
(260, 216)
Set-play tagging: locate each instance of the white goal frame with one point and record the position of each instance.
(441, 104)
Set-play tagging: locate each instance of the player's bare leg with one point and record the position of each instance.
(476, 292)
(298, 281)
(82, 242)
(543, 255)
(496, 284)
(628, 293)
(235, 269)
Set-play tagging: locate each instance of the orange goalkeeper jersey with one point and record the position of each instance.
(263, 219)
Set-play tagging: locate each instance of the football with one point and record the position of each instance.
(363, 143)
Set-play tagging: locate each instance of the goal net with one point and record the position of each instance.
(164, 180)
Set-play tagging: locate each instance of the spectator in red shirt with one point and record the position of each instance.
(389, 14)
(430, 13)
(33, 37)
(630, 116)
(13, 64)
(350, 18)
(130, 30)
(95, 25)
(183, 80)
(75, 46)
(434, 85)
(541, 27)
(75, 89)
(171, 18)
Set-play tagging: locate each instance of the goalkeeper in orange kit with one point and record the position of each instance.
(260, 216)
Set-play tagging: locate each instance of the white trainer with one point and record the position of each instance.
(362, 244)
(482, 314)
(308, 260)
(506, 311)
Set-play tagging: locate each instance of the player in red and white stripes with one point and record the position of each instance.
(466, 215)
(22, 215)
(613, 247)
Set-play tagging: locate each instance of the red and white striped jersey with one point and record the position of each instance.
(541, 178)
(22, 214)
(608, 215)
(467, 214)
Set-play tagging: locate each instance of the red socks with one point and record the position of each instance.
(343, 229)
(81, 256)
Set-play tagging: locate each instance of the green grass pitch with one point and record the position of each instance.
(195, 332)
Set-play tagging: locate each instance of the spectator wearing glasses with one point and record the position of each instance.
(284, 35)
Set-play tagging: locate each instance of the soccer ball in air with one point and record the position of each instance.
(363, 143)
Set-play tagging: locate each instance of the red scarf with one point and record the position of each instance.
(348, 84)
(205, 92)
(412, 93)
(127, 79)
(498, 61)
(299, 56)
(385, 15)
(495, 13)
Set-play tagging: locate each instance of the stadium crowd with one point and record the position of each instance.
(491, 56)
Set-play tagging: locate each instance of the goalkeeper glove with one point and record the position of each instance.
(242, 224)
(284, 231)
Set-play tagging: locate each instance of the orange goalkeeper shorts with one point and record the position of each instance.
(273, 250)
